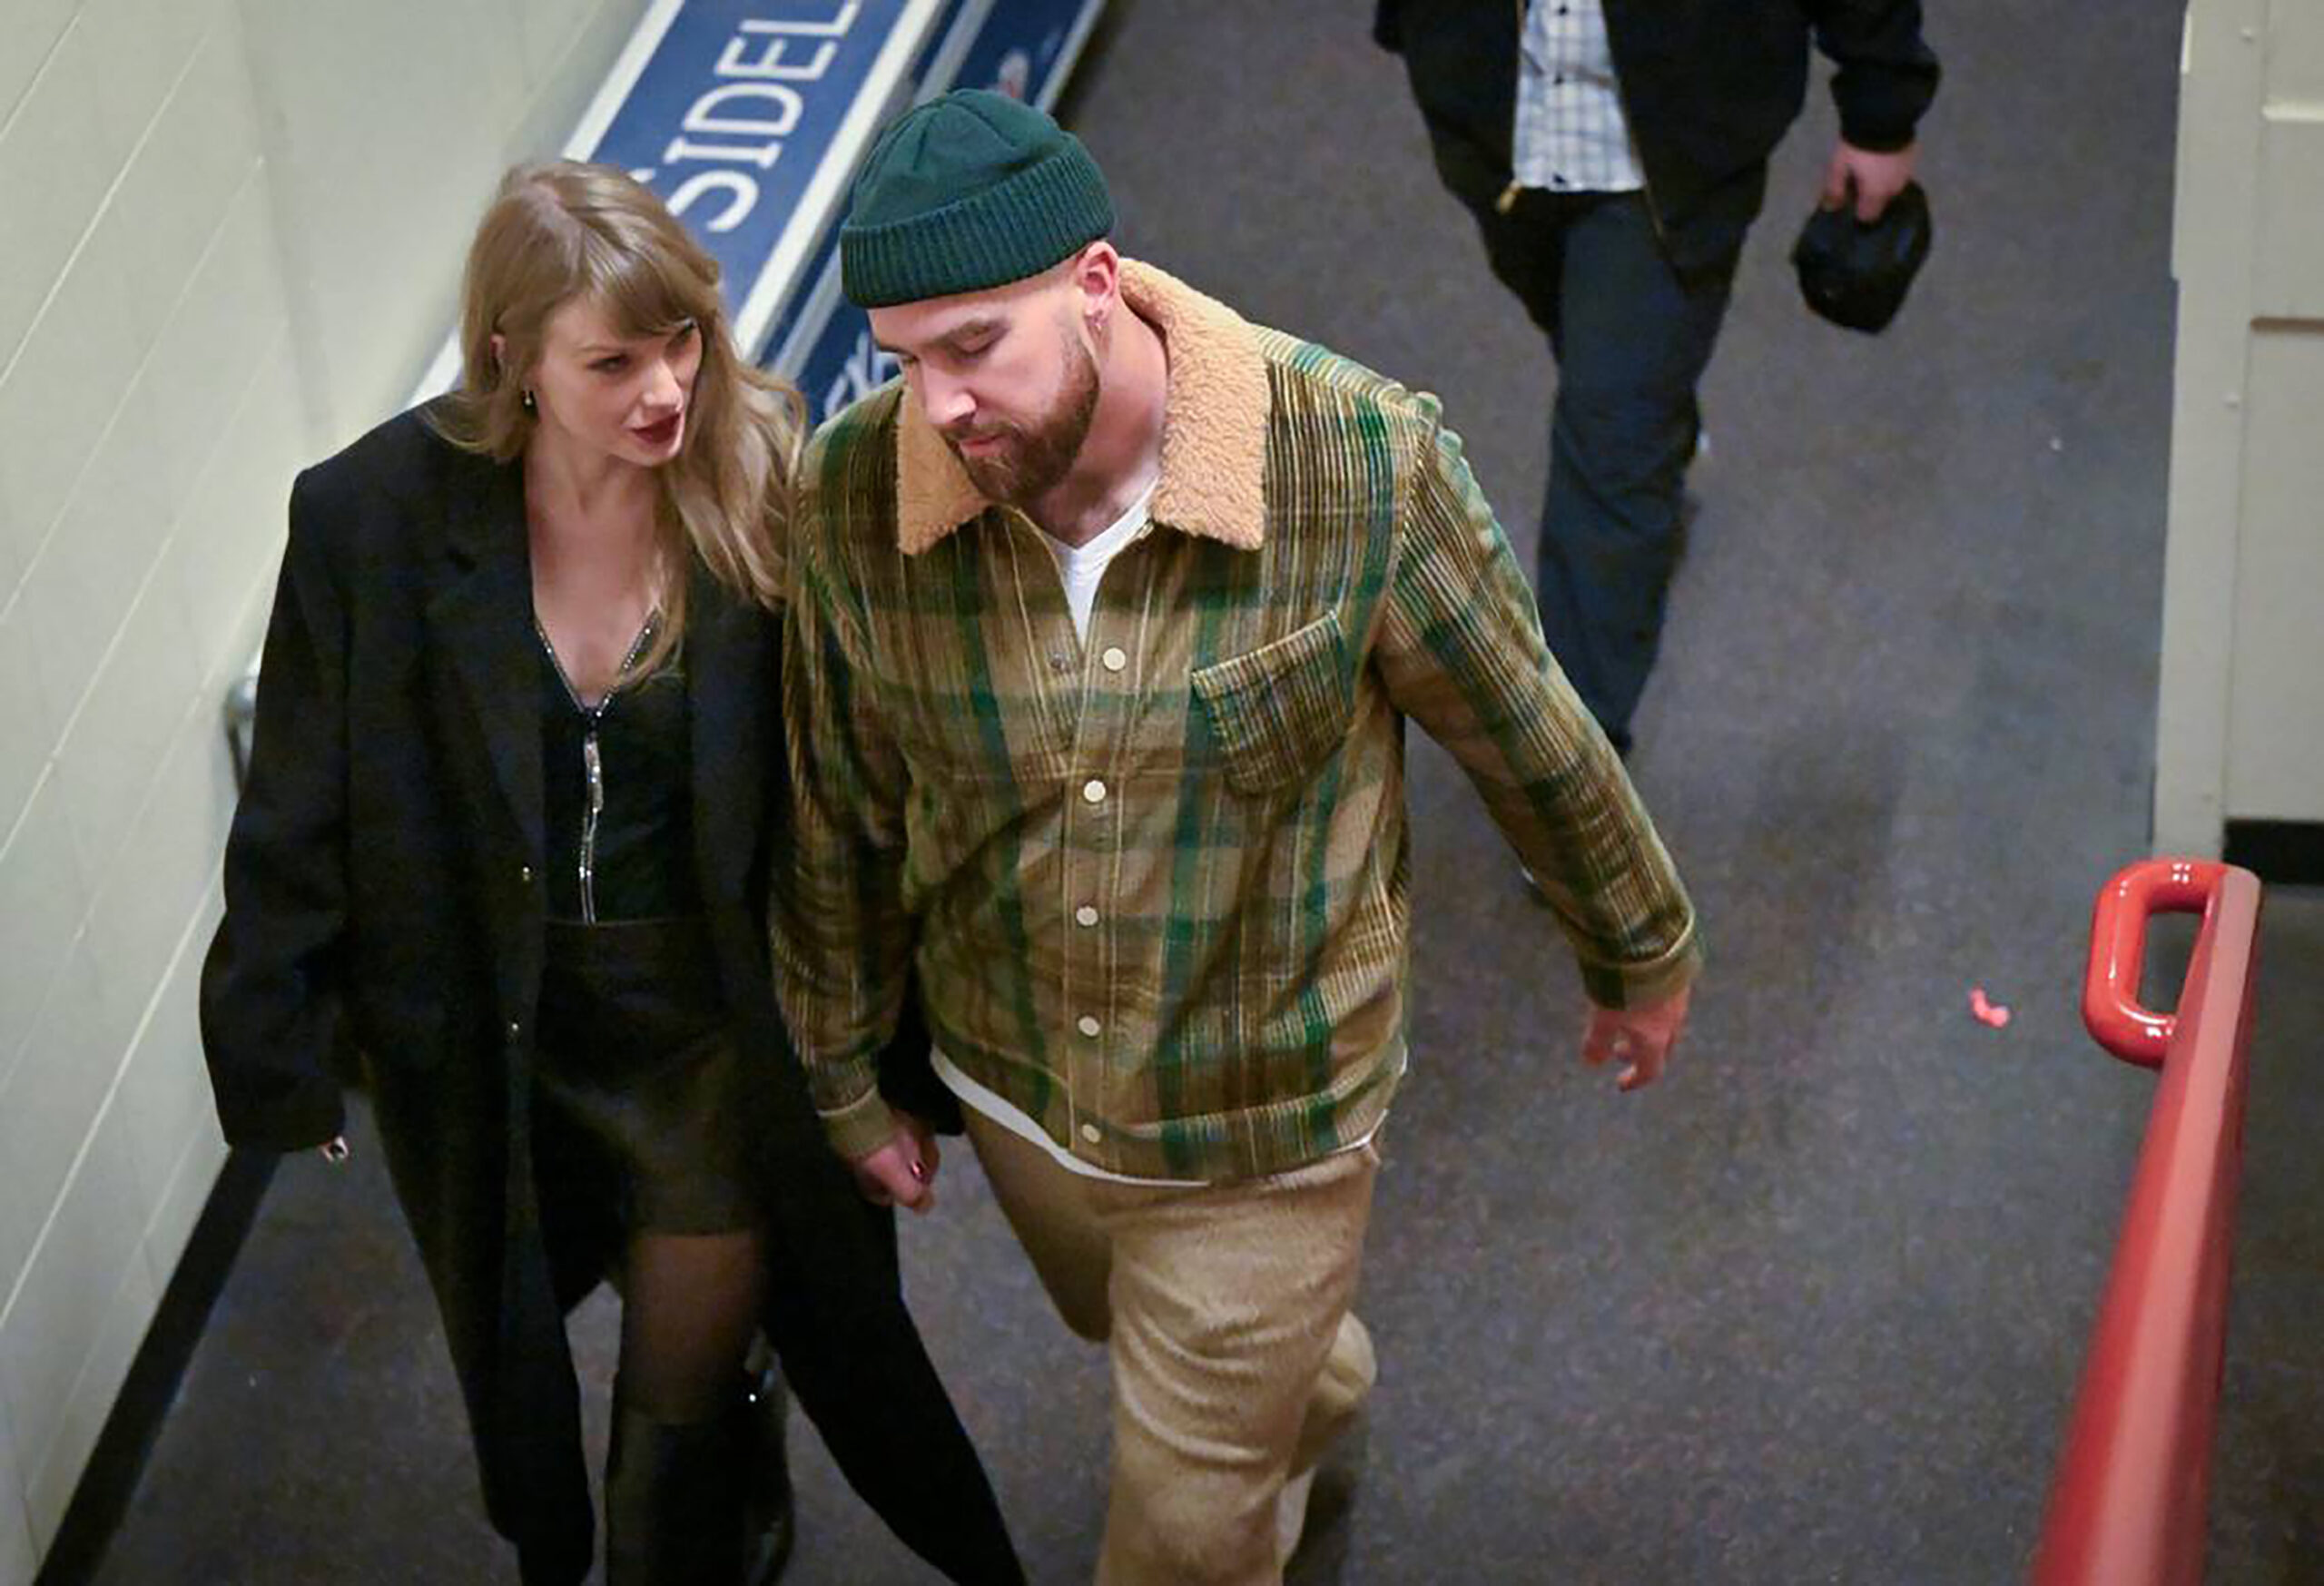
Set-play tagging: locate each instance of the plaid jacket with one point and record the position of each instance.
(1155, 885)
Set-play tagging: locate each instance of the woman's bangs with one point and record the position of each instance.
(646, 290)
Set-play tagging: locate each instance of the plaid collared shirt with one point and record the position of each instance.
(1155, 884)
(1572, 134)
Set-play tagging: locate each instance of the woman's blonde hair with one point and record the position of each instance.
(562, 230)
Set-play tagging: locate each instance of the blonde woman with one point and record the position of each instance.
(516, 788)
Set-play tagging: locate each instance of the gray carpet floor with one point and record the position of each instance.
(1811, 1310)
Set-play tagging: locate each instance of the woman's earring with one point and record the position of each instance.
(529, 400)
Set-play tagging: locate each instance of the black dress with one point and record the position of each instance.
(638, 1055)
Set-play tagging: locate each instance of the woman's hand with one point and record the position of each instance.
(903, 1171)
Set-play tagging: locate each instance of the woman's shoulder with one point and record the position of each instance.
(395, 473)
(406, 448)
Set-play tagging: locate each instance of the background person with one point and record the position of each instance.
(1614, 155)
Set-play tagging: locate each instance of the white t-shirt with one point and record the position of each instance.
(1019, 1122)
(1082, 567)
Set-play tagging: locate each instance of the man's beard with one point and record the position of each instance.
(1031, 463)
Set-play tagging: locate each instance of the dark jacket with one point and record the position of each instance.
(1709, 87)
(384, 894)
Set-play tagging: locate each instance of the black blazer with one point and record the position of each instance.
(384, 894)
(1710, 85)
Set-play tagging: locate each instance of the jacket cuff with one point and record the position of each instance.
(1876, 135)
(1642, 985)
(862, 1126)
(300, 1116)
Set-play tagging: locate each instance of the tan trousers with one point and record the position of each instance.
(1235, 1357)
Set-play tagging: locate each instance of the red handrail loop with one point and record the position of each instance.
(2110, 992)
(2129, 1506)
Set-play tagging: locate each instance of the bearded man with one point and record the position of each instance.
(1105, 626)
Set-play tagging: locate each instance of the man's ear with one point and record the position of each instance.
(1097, 277)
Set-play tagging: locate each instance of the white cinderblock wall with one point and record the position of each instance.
(230, 239)
(2240, 729)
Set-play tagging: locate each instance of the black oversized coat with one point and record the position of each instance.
(385, 897)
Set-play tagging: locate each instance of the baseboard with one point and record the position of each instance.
(2285, 853)
(109, 1482)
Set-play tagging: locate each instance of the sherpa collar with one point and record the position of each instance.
(1214, 429)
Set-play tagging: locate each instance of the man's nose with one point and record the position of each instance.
(949, 403)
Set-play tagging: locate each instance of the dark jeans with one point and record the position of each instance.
(1631, 336)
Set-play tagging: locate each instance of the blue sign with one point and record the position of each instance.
(750, 118)
(1023, 49)
(844, 364)
(733, 115)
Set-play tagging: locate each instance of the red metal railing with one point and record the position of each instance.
(2129, 1506)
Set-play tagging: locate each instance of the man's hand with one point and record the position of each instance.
(1875, 179)
(1640, 1038)
(903, 1171)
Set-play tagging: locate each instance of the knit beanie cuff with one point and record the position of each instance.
(1014, 229)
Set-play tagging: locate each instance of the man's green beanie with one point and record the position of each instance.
(968, 191)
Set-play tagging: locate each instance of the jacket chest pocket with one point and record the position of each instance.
(1277, 712)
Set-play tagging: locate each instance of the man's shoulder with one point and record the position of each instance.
(851, 455)
(847, 479)
(1311, 381)
(867, 425)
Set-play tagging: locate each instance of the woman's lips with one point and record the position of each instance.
(662, 432)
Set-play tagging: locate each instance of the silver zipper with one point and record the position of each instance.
(596, 769)
(592, 763)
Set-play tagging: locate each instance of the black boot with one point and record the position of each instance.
(674, 1502)
(769, 1521)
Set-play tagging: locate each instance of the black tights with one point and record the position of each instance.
(690, 1303)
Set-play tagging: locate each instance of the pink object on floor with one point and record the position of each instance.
(1992, 1013)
